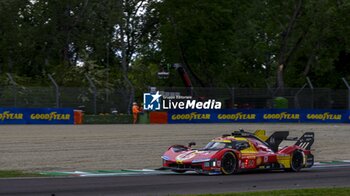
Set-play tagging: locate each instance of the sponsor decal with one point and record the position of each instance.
(251, 163)
(191, 116)
(51, 116)
(257, 115)
(152, 101)
(156, 101)
(185, 156)
(258, 160)
(7, 115)
(36, 116)
(237, 116)
(282, 116)
(324, 116)
(191, 104)
(266, 159)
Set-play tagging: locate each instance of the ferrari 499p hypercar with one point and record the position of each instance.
(241, 151)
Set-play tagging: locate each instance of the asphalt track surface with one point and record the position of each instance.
(177, 183)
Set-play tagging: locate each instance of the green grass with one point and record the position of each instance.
(16, 174)
(302, 192)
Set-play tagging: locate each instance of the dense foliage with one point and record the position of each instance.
(125, 43)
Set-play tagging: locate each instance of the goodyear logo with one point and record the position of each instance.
(237, 116)
(7, 115)
(191, 116)
(282, 116)
(51, 116)
(324, 116)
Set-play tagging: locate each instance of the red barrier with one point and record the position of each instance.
(158, 118)
(78, 117)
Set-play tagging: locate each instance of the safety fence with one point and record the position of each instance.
(101, 100)
(83, 98)
(266, 98)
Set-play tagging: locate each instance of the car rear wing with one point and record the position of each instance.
(277, 137)
(306, 140)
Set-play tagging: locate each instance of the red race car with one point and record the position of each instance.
(242, 151)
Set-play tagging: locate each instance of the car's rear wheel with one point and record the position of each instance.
(297, 161)
(229, 163)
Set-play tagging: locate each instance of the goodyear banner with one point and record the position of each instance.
(258, 116)
(36, 116)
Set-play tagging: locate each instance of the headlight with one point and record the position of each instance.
(210, 163)
(200, 160)
(165, 158)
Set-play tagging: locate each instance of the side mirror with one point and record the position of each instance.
(191, 144)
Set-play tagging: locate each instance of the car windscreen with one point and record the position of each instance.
(217, 145)
(239, 145)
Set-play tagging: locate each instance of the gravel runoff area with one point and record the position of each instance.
(113, 147)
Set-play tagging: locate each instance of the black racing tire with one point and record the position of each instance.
(229, 163)
(297, 161)
(178, 171)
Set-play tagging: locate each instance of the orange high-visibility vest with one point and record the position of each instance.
(135, 109)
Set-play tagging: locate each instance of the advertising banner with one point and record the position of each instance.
(258, 116)
(36, 116)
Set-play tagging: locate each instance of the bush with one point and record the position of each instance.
(107, 119)
(280, 103)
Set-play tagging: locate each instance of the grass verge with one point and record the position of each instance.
(296, 192)
(16, 174)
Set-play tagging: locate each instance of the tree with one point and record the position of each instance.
(303, 38)
(130, 28)
(220, 43)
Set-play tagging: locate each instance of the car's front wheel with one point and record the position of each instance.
(229, 163)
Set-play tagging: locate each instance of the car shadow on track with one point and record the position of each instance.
(243, 173)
